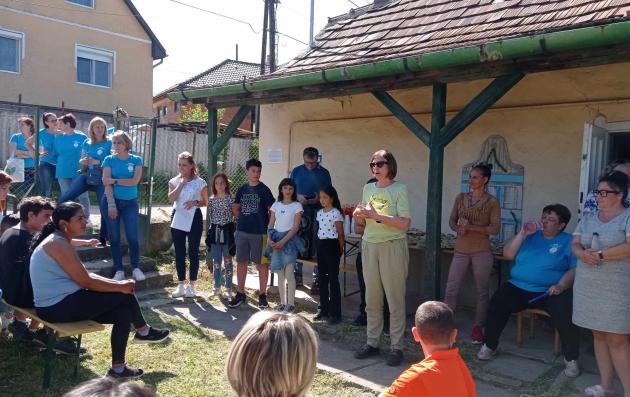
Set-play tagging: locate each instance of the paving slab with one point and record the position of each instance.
(338, 360)
(516, 367)
(379, 375)
(487, 390)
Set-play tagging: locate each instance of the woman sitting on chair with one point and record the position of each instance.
(542, 278)
(64, 291)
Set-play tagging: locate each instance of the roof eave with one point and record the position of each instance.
(157, 49)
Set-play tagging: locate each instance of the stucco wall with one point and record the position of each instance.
(48, 74)
(542, 119)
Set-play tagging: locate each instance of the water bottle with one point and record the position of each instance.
(353, 226)
(595, 244)
(346, 224)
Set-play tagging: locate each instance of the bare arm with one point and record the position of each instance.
(137, 175)
(587, 256)
(109, 193)
(510, 249)
(342, 236)
(272, 222)
(68, 260)
(173, 192)
(565, 283)
(236, 209)
(452, 220)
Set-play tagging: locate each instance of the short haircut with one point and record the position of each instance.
(435, 322)
(253, 163)
(392, 166)
(619, 181)
(5, 178)
(310, 152)
(8, 222)
(107, 387)
(69, 119)
(275, 354)
(93, 123)
(34, 204)
(123, 136)
(564, 215)
(227, 183)
(28, 121)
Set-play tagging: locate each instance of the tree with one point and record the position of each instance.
(195, 112)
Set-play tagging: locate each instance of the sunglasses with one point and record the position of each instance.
(605, 193)
(378, 164)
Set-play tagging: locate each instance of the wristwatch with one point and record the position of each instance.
(600, 253)
(115, 181)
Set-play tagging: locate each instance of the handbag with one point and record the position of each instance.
(94, 176)
(15, 169)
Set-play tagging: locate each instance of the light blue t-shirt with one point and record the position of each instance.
(541, 262)
(97, 151)
(123, 169)
(47, 142)
(68, 150)
(51, 284)
(20, 144)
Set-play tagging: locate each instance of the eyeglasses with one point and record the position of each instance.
(378, 164)
(605, 193)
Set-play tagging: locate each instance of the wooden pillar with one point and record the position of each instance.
(212, 128)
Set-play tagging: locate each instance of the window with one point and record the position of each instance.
(175, 106)
(95, 66)
(11, 50)
(84, 3)
(164, 110)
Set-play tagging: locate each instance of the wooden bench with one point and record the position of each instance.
(532, 313)
(74, 330)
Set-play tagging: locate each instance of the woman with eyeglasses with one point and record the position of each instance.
(47, 157)
(476, 216)
(384, 210)
(623, 165)
(601, 242)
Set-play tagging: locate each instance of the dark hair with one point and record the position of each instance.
(610, 167)
(484, 168)
(63, 212)
(310, 152)
(332, 193)
(435, 322)
(45, 117)
(106, 387)
(617, 180)
(34, 204)
(392, 166)
(564, 215)
(253, 163)
(9, 221)
(69, 119)
(287, 182)
(28, 121)
(227, 183)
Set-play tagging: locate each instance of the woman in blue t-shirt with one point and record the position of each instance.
(93, 152)
(542, 278)
(67, 147)
(121, 174)
(19, 149)
(47, 158)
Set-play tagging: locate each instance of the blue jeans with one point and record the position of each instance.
(128, 212)
(219, 253)
(45, 177)
(64, 186)
(79, 186)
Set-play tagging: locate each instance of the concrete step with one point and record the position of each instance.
(154, 280)
(105, 267)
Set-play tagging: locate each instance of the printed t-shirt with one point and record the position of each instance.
(97, 151)
(123, 169)
(285, 214)
(68, 150)
(255, 202)
(391, 200)
(326, 221)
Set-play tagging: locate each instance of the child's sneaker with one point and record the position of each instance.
(262, 302)
(119, 275)
(179, 291)
(571, 369)
(227, 294)
(477, 335)
(281, 308)
(189, 291)
(153, 336)
(486, 353)
(138, 275)
(289, 309)
(238, 300)
(126, 373)
(214, 292)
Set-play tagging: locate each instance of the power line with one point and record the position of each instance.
(353, 3)
(217, 14)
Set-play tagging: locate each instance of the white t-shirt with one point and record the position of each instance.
(183, 218)
(326, 220)
(285, 214)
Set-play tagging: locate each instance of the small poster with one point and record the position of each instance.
(274, 156)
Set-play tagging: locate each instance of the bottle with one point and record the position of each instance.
(346, 224)
(352, 226)
(595, 244)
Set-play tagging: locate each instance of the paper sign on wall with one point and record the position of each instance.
(274, 156)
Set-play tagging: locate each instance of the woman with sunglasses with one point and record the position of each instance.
(384, 210)
(601, 242)
(476, 216)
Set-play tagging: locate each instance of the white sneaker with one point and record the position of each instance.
(214, 292)
(179, 291)
(571, 369)
(485, 353)
(598, 391)
(119, 275)
(227, 294)
(138, 275)
(189, 291)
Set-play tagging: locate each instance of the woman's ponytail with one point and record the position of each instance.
(49, 229)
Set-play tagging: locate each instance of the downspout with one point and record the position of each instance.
(161, 61)
(546, 43)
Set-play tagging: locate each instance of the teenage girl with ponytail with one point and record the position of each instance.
(64, 291)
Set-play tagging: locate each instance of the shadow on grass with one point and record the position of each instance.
(154, 378)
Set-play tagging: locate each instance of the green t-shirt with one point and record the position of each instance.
(391, 200)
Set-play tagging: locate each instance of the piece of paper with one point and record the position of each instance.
(274, 156)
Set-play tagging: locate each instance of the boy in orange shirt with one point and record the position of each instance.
(442, 373)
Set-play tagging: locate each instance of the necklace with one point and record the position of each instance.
(472, 201)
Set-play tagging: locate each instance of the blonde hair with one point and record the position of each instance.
(122, 135)
(189, 157)
(93, 122)
(275, 354)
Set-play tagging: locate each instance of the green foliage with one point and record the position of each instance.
(195, 112)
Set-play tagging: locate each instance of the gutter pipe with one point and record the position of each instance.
(545, 43)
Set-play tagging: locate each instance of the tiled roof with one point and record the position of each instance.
(396, 28)
(228, 71)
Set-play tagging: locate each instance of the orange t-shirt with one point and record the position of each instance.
(442, 374)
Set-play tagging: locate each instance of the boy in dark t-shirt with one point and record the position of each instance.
(251, 207)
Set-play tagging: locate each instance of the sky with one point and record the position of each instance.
(196, 40)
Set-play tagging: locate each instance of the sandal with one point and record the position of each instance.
(598, 391)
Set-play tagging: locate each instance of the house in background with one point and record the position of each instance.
(80, 55)
(228, 71)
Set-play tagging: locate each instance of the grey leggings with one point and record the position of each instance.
(481, 267)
